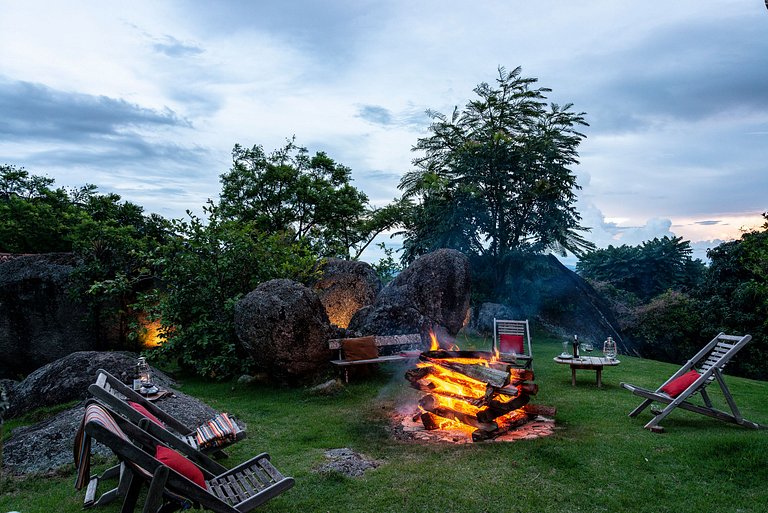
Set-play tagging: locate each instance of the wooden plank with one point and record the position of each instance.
(270, 469)
(260, 474)
(380, 359)
(384, 341)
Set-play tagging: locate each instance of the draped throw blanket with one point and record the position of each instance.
(216, 432)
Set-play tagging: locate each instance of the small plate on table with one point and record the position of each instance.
(148, 390)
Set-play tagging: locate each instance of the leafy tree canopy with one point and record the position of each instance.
(646, 270)
(495, 178)
(307, 198)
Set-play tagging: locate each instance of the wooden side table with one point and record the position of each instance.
(595, 363)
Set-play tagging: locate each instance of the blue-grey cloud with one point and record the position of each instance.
(127, 153)
(382, 176)
(687, 72)
(172, 47)
(37, 112)
(708, 223)
(375, 114)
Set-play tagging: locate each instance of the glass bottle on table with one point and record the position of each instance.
(575, 346)
(136, 377)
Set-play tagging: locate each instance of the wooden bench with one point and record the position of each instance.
(392, 344)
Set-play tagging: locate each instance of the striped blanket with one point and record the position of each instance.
(82, 449)
(216, 432)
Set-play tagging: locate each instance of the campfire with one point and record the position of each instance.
(472, 391)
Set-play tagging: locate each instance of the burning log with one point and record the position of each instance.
(505, 424)
(432, 404)
(498, 408)
(430, 421)
(430, 379)
(487, 375)
(471, 388)
(540, 409)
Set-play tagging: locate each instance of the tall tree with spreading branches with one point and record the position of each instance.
(496, 178)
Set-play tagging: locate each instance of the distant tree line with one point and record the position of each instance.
(671, 304)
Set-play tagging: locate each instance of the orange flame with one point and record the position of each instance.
(435, 345)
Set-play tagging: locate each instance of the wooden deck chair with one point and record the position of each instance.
(117, 395)
(118, 471)
(707, 366)
(512, 341)
(174, 483)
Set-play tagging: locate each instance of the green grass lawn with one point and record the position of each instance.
(598, 459)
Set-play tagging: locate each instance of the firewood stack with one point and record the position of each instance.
(470, 387)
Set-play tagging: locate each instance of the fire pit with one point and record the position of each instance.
(472, 391)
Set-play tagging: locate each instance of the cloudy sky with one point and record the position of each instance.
(147, 98)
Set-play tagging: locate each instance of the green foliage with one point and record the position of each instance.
(205, 269)
(735, 296)
(646, 270)
(34, 218)
(495, 177)
(308, 199)
(387, 267)
(669, 327)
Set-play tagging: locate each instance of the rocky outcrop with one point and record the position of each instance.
(541, 288)
(345, 287)
(482, 321)
(283, 327)
(68, 378)
(39, 322)
(433, 291)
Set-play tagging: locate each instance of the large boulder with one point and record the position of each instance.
(68, 378)
(345, 287)
(482, 321)
(283, 326)
(47, 445)
(39, 322)
(432, 292)
(540, 287)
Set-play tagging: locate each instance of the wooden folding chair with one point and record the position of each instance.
(237, 490)
(709, 362)
(116, 394)
(509, 334)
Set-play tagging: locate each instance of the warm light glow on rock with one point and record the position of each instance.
(150, 335)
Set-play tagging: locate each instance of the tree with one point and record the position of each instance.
(34, 217)
(646, 270)
(206, 268)
(735, 296)
(495, 178)
(306, 198)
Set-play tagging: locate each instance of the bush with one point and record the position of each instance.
(668, 328)
(206, 269)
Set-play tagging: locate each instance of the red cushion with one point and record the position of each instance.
(141, 409)
(681, 383)
(511, 344)
(180, 464)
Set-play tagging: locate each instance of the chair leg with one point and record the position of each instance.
(154, 502)
(133, 486)
(645, 404)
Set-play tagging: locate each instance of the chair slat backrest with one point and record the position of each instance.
(116, 395)
(512, 327)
